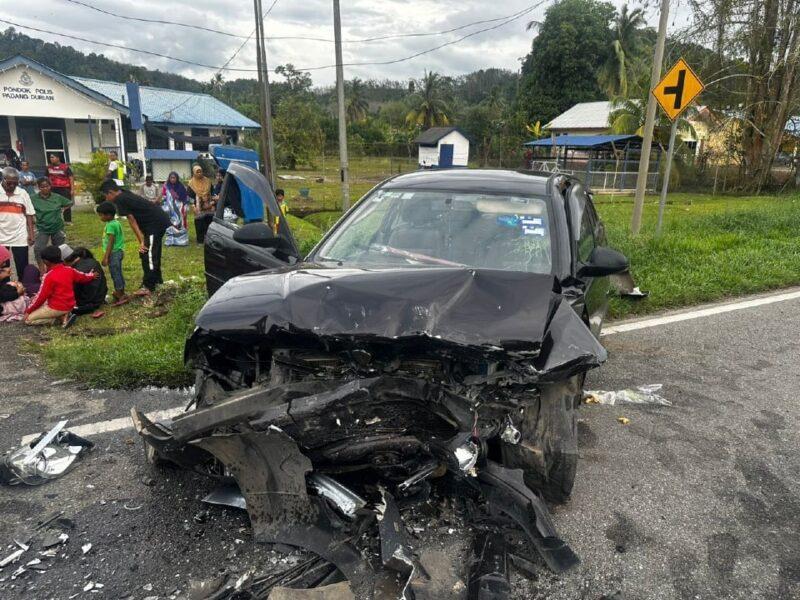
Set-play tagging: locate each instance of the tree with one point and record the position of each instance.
(625, 49)
(429, 106)
(298, 134)
(565, 58)
(356, 105)
(297, 81)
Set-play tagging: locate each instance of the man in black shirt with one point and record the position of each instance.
(149, 223)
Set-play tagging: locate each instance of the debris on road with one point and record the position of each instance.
(624, 420)
(47, 457)
(643, 394)
(14, 556)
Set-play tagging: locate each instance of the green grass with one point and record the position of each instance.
(140, 343)
(712, 248)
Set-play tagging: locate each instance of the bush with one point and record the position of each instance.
(89, 176)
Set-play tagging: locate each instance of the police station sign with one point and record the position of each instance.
(26, 90)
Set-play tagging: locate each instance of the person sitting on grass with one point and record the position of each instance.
(56, 297)
(113, 249)
(13, 300)
(89, 297)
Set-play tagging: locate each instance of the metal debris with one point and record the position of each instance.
(643, 394)
(49, 456)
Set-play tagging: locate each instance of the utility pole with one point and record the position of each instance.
(265, 104)
(650, 117)
(343, 167)
(665, 184)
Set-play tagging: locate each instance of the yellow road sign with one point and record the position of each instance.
(677, 89)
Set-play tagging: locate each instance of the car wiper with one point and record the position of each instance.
(417, 256)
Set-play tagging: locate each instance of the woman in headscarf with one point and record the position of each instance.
(174, 202)
(204, 204)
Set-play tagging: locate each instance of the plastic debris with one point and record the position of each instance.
(14, 555)
(49, 456)
(624, 420)
(644, 394)
(85, 548)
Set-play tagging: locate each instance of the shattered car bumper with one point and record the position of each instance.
(332, 395)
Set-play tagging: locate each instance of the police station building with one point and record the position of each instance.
(43, 112)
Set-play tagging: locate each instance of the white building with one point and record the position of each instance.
(43, 112)
(443, 147)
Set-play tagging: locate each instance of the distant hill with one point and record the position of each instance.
(69, 61)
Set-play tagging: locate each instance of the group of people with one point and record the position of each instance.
(175, 198)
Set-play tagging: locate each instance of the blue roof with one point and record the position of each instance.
(173, 107)
(581, 141)
(155, 153)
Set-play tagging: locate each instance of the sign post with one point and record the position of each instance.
(674, 93)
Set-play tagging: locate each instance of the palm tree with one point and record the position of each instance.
(615, 72)
(356, 106)
(428, 105)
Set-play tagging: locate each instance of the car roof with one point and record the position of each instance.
(495, 181)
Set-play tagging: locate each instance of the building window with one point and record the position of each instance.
(232, 135)
(157, 137)
(200, 132)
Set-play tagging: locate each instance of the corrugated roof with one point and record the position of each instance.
(174, 107)
(585, 115)
(582, 141)
(432, 136)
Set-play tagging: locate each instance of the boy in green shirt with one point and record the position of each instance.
(49, 208)
(113, 245)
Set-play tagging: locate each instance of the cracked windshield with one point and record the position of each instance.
(399, 228)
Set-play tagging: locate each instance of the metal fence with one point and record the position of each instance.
(601, 175)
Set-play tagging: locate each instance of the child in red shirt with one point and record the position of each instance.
(56, 297)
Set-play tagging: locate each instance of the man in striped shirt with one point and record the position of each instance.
(16, 219)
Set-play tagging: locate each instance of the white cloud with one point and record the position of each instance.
(501, 47)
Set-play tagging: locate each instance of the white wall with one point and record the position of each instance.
(79, 143)
(429, 156)
(460, 148)
(43, 96)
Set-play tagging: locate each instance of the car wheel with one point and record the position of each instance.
(548, 449)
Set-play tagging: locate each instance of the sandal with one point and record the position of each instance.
(98, 313)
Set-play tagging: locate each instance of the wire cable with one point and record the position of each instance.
(285, 38)
(227, 67)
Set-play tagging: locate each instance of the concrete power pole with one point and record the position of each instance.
(343, 173)
(650, 117)
(267, 140)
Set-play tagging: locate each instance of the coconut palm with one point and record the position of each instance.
(428, 105)
(356, 105)
(615, 72)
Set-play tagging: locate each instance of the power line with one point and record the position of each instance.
(285, 38)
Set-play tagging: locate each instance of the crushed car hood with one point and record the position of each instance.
(487, 309)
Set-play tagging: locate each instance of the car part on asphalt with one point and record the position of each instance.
(47, 457)
(488, 578)
(643, 394)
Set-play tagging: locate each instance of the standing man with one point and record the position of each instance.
(62, 182)
(27, 178)
(16, 219)
(49, 209)
(149, 223)
(116, 169)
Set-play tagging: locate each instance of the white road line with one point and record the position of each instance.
(717, 309)
(112, 425)
(700, 313)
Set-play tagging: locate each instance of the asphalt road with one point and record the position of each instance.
(697, 500)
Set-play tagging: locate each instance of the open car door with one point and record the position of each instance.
(245, 199)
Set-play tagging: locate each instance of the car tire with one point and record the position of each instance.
(548, 449)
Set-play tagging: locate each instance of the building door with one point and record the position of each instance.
(30, 130)
(446, 155)
(53, 143)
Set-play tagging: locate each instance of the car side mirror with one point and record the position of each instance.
(602, 262)
(257, 234)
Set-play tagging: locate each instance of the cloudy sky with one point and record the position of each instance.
(502, 46)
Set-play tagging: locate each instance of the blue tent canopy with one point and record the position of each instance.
(582, 141)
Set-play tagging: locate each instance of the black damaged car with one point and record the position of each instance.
(441, 329)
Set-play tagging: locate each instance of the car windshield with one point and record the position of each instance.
(402, 228)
